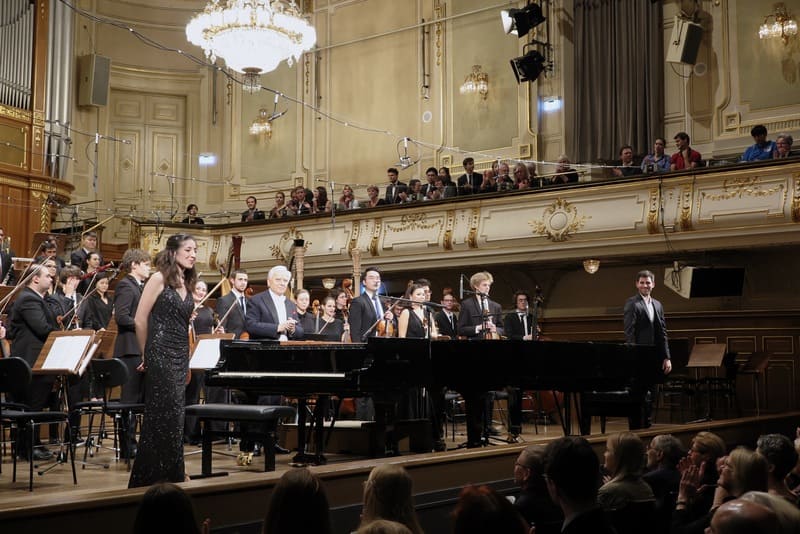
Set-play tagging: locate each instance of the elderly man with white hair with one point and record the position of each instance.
(270, 314)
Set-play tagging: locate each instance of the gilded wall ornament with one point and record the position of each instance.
(447, 238)
(653, 211)
(472, 235)
(376, 234)
(283, 249)
(559, 221)
(412, 222)
(796, 200)
(743, 187)
(686, 207)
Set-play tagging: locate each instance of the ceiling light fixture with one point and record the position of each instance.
(527, 68)
(252, 36)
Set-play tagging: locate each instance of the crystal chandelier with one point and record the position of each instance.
(782, 26)
(262, 125)
(476, 82)
(252, 36)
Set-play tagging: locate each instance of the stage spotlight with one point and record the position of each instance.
(520, 21)
(528, 67)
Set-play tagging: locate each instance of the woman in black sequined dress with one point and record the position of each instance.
(162, 329)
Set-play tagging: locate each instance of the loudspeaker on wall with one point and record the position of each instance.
(93, 74)
(684, 44)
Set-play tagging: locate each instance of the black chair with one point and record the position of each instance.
(756, 366)
(634, 518)
(106, 375)
(15, 377)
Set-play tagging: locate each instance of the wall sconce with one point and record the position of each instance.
(328, 283)
(783, 25)
(476, 82)
(591, 266)
(262, 125)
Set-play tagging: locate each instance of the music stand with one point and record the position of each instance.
(706, 355)
(64, 354)
(106, 341)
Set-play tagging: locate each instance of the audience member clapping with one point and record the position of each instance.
(762, 149)
(298, 505)
(388, 495)
(521, 176)
(372, 197)
(624, 463)
(782, 458)
(481, 510)
(663, 455)
(698, 478)
(347, 201)
(504, 180)
(783, 147)
(488, 184)
(564, 174)
(320, 202)
(166, 508)
(279, 209)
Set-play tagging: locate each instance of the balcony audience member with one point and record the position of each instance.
(531, 166)
(699, 476)
(319, 201)
(415, 190)
(488, 184)
(504, 181)
(762, 148)
(685, 157)
(564, 174)
(480, 509)
(394, 184)
(388, 495)
(781, 457)
(521, 175)
(470, 181)
(298, 205)
(347, 201)
(372, 197)
(298, 505)
(658, 161)
(663, 455)
(533, 502)
(403, 195)
(252, 213)
(624, 460)
(741, 471)
(279, 209)
(572, 475)
(783, 147)
(787, 514)
(430, 186)
(626, 166)
(165, 508)
(192, 217)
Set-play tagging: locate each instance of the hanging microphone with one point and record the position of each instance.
(460, 287)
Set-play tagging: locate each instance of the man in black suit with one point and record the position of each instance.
(663, 455)
(393, 188)
(427, 190)
(252, 213)
(645, 325)
(31, 322)
(88, 245)
(572, 475)
(126, 299)
(519, 323)
(6, 263)
(446, 319)
(469, 182)
(235, 319)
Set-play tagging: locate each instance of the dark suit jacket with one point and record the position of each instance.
(362, 316)
(444, 326)
(592, 522)
(262, 318)
(474, 180)
(391, 192)
(126, 300)
(235, 321)
(639, 329)
(258, 215)
(471, 316)
(8, 268)
(31, 322)
(513, 327)
(79, 257)
(61, 305)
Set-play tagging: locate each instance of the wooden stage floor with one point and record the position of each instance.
(101, 495)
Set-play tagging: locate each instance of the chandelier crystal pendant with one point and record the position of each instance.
(778, 25)
(262, 125)
(476, 82)
(252, 36)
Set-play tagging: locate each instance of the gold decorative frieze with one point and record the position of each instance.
(740, 187)
(412, 222)
(472, 235)
(559, 221)
(376, 234)
(15, 113)
(354, 232)
(653, 211)
(687, 194)
(796, 199)
(282, 251)
(212, 258)
(447, 238)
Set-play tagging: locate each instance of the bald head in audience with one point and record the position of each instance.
(743, 517)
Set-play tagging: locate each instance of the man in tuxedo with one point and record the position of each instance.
(470, 181)
(427, 190)
(392, 190)
(572, 475)
(6, 263)
(126, 299)
(31, 322)
(446, 318)
(88, 245)
(252, 213)
(519, 323)
(645, 325)
(234, 321)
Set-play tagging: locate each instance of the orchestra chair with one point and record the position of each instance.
(265, 431)
(107, 375)
(15, 376)
(679, 385)
(722, 389)
(455, 405)
(756, 367)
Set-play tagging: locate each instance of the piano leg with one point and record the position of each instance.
(303, 457)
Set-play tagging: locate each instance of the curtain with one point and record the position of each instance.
(619, 77)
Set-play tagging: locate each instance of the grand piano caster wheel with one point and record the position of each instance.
(244, 459)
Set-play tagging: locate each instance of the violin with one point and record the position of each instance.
(386, 327)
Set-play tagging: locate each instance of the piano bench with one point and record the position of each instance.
(610, 403)
(264, 428)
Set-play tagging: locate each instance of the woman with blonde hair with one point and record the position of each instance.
(624, 462)
(388, 495)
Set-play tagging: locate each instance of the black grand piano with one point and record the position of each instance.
(385, 367)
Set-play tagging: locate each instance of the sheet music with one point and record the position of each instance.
(88, 358)
(65, 352)
(205, 355)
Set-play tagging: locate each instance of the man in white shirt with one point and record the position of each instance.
(270, 315)
(235, 318)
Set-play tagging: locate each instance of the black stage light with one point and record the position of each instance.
(528, 67)
(520, 21)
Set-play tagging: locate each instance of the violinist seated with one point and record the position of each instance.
(92, 266)
(331, 328)
(99, 305)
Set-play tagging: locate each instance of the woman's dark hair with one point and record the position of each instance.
(165, 508)
(190, 206)
(480, 509)
(322, 197)
(298, 505)
(169, 268)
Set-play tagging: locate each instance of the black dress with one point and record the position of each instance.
(332, 331)
(160, 456)
(415, 327)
